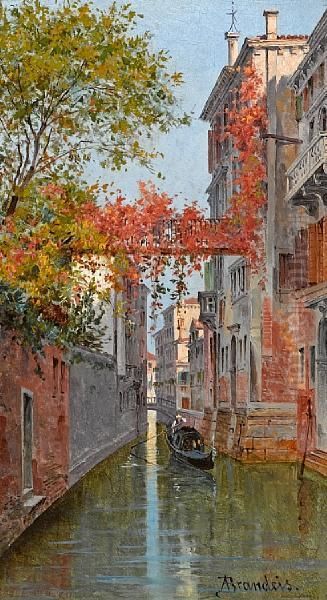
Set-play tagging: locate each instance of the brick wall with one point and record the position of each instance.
(50, 436)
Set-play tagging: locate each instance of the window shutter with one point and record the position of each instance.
(324, 248)
(320, 240)
(210, 151)
(313, 255)
(282, 271)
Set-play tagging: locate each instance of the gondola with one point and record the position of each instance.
(187, 445)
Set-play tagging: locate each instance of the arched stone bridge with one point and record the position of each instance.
(166, 409)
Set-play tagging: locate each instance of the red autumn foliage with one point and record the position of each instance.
(141, 239)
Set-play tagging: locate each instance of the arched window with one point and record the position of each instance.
(323, 339)
(323, 119)
(311, 129)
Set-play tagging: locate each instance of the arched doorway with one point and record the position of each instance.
(233, 371)
(322, 386)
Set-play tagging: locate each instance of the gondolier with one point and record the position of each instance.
(179, 420)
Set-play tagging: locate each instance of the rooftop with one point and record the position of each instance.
(191, 301)
(196, 324)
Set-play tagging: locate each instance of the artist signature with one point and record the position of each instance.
(230, 585)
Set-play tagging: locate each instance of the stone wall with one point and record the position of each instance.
(266, 433)
(103, 417)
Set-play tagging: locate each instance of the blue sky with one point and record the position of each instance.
(193, 33)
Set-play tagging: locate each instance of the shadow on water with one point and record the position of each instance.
(145, 527)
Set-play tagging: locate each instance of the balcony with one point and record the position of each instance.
(307, 178)
(208, 308)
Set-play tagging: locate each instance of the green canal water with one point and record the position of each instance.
(154, 530)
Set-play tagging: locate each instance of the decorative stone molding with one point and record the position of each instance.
(219, 173)
(234, 329)
(322, 307)
(308, 66)
(318, 303)
(313, 159)
(208, 309)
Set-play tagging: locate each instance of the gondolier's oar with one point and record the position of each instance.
(144, 459)
(148, 439)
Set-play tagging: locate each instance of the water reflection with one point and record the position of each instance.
(144, 527)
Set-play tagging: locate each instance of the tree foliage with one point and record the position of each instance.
(75, 81)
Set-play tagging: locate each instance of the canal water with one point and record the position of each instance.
(143, 528)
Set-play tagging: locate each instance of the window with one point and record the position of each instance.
(285, 267)
(322, 74)
(305, 99)
(211, 305)
(222, 359)
(323, 120)
(245, 347)
(55, 376)
(225, 115)
(120, 402)
(301, 355)
(310, 88)
(238, 282)
(226, 357)
(311, 130)
(27, 441)
(185, 402)
(242, 278)
(299, 108)
(62, 377)
(221, 312)
(241, 350)
(219, 271)
(313, 364)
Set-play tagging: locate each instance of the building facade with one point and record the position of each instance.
(303, 273)
(151, 378)
(56, 424)
(171, 352)
(34, 435)
(208, 317)
(196, 361)
(256, 408)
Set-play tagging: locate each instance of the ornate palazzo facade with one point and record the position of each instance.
(307, 196)
(254, 408)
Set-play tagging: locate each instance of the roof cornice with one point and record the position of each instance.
(228, 74)
(317, 44)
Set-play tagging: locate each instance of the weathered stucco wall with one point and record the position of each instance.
(101, 422)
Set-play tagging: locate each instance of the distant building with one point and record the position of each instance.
(171, 351)
(196, 360)
(151, 377)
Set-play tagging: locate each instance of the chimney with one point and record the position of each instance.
(232, 38)
(271, 23)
